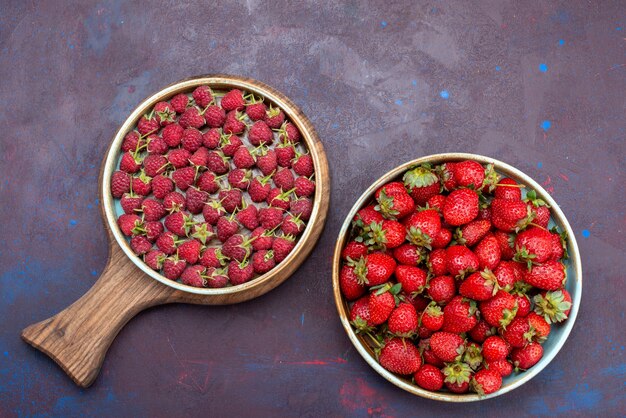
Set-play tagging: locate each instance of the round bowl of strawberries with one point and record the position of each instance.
(218, 186)
(457, 277)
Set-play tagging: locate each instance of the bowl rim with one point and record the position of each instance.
(557, 215)
(314, 227)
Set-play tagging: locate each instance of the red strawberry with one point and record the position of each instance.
(495, 348)
(386, 234)
(499, 310)
(349, 283)
(285, 152)
(267, 161)
(441, 289)
(162, 186)
(172, 135)
(215, 116)
(400, 356)
(533, 245)
(540, 327)
(211, 138)
(484, 214)
(553, 306)
(256, 111)
(473, 355)
(303, 165)
(437, 262)
(240, 272)
(442, 239)
(259, 189)
(153, 210)
(194, 276)
(192, 117)
(518, 332)
(366, 216)
(260, 133)
(509, 215)
(130, 163)
(413, 279)
(526, 357)
(375, 269)
(354, 250)
(391, 189)
(506, 192)
(167, 242)
(548, 276)
(202, 95)
(289, 133)
(436, 202)
(446, 173)
(292, 225)
(263, 261)
(481, 331)
(302, 208)
(226, 227)
(429, 377)
(423, 226)
(274, 117)
(539, 208)
(234, 123)
(396, 206)
(479, 286)
(459, 315)
(427, 353)
(460, 260)
(239, 179)
(179, 223)
(501, 366)
(233, 100)
(407, 254)
(282, 246)
(218, 162)
(559, 245)
(447, 346)
(165, 113)
(432, 317)
(174, 202)
(523, 304)
(506, 242)
(469, 173)
(131, 141)
(173, 267)
(148, 124)
(471, 233)
(263, 239)
(154, 259)
(140, 244)
(488, 252)
(461, 207)
(270, 217)
(486, 381)
(184, 177)
(231, 199)
(213, 257)
(243, 159)
(422, 183)
(179, 102)
(507, 274)
(120, 184)
(381, 303)
(196, 200)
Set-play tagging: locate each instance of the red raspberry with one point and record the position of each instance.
(256, 111)
(284, 179)
(179, 223)
(231, 199)
(282, 246)
(174, 202)
(243, 159)
(263, 239)
(292, 225)
(167, 242)
(230, 144)
(184, 177)
(154, 259)
(303, 165)
(259, 189)
(249, 217)
(195, 200)
(226, 228)
(148, 124)
(212, 257)
(154, 165)
(218, 163)
(120, 184)
(179, 102)
(194, 276)
(239, 179)
(211, 138)
(192, 118)
(200, 158)
(141, 185)
(165, 113)
(212, 212)
(157, 145)
(140, 244)
(130, 203)
(234, 123)
(173, 268)
(278, 199)
(190, 251)
(270, 217)
(240, 273)
(153, 210)
(215, 116)
(131, 141)
(301, 207)
(285, 152)
(207, 182)
(192, 139)
(153, 229)
(260, 133)
(130, 163)
(267, 162)
(263, 261)
(179, 157)
(203, 96)
(128, 223)
(274, 117)
(173, 134)
(289, 133)
(304, 187)
(233, 100)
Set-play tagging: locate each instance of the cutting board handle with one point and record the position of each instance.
(78, 337)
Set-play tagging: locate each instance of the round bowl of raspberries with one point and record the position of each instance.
(216, 185)
(457, 277)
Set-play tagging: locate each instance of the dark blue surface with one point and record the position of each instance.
(539, 85)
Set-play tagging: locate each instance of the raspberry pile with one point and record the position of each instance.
(453, 277)
(215, 187)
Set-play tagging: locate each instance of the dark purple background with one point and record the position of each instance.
(382, 83)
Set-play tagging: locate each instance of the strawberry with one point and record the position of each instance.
(292, 225)
(486, 381)
(215, 116)
(239, 178)
(400, 356)
(442, 239)
(461, 207)
(179, 102)
(386, 234)
(130, 162)
(353, 251)
(518, 333)
(172, 135)
(289, 133)
(375, 268)
(479, 286)
(481, 331)
(132, 141)
(179, 223)
(153, 210)
(437, 262)
(154, 259)
(523, 304)
(167, 242)
(429, 377)
(190, 251)
(432, 317)
(488, 252)
(484, 214)
(446, 174)
(459, 315)
(301, 207)
(196, 200)
(191, 140)
(436, 202)
(282, 246)
(229, 144)
(457, 377)
(366, 216)
(202, 95)
(441, 289)
(548, 276)
(120, 184)
(413, 279)
(382, 302)
(504, 190)
(510, 215)
(192, 117)
(174, 202)
(470, 234)
(473, 355)
(131, 203)
(422, 183)
(243, 159)
(501, 366)
(423, 226)
(285, 152)
(208, 182)
(267, 161)
(396, 206)
(553, 306)
(237, 247)
(233, 100)
(303, 165)
(526, 357)
(428, 355)
(499, 310)
(184, 177)
(140, 244)
(260, 133)
(213, 257)
(234, 123)
(194, 276)
(274, 117)
(249, 217)
(447, 346)
(559, 245)
(173, 267)
(407, 254)
(349, 283)
(226, 227)
(495, 348)
(403, 320)
(469, 174)
(506, 242)
(162, 186)
(540, 327)
(460, 260)
(240, 272)
(231, 199)
(533, 245)
(179, 157)
(148, 124)
(539, 208)
(263, 239)
(263, 261)
(256, 111)
(211, 138)
(218, 162)
(271, 217)
(284, 179)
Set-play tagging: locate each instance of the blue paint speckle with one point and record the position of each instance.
(302, 319)
(73, 222)
(586, 234)
(561, 42)
(94, 273)
(498, 68)
(335, 126)
(539, 164)
(618, 28)
(383, 24)
(543, 67)
(6, 354)
(414, 82)
(444, 94)
(545, 125)
(399, 102)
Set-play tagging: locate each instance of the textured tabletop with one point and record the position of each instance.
(539, 85)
